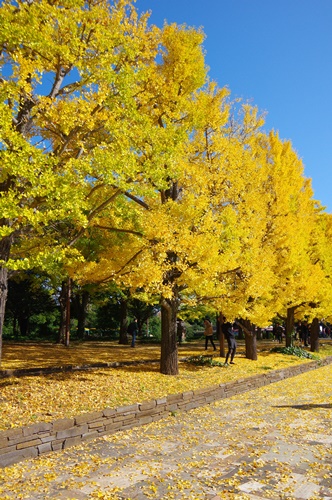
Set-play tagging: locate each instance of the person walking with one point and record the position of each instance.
(230, 337)
(279, 332)
(133, 330)
(208, 332)
(305, 333)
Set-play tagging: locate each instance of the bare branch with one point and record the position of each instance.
(118, 230)
(59, 77)
(137, 200)
(104, 204)
(121, 269)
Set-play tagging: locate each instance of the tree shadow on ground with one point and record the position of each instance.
(309, 406)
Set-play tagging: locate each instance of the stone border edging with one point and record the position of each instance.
(44, 437)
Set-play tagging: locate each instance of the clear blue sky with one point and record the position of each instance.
(277, 54)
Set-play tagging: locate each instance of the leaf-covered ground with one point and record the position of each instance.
(31, 399)
(269, 443)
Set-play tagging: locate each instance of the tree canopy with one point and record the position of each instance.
(121, 162)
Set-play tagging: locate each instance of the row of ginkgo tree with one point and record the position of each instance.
(241, 234)
(122, 163)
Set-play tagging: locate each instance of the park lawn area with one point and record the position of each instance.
(47, 397)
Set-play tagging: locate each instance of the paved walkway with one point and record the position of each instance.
(270, 443)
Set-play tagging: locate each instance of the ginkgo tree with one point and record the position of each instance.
(289, 222)
(237, 197)
(75, 134)
(94, 119)
(146, 232)
(317, 305)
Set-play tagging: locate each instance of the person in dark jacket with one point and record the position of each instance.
(224, 327)
(230, 337)
(133, 330)
(305, 333)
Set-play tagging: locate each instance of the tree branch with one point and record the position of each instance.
(104, 204)
(137, 200)
(118, 230)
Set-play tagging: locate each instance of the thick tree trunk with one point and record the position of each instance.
(251, 346)
(123, 322)
(5, 245)
(169, 348)
(169, 307)
(314, 335)
(289, 326)
(250, 340)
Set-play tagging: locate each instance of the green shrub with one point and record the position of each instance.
(204, 361)
(294, 351)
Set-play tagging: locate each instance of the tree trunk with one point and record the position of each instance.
(314, 335)
(24, 325)
(169, 348)
(67, 329)
(289, 326)
(3, 300)
(169, 307)
(5, 245)
(63, 313)
(81, 300)
(250, 340)
(123, 322)
(15, 329)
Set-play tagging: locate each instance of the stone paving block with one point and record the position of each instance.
(72, 432)
(3, 442)
(251, 486)
(63, 424)
(17, 456)
(28, 444)
(127, 409)
(88, 417)
(44, 448)
(72, 441)
(40, 427)
(147, 406)
(109, 412)
(97, 423)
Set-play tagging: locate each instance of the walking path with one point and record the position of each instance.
(270, 443)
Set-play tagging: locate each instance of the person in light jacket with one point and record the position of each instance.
(208, 332)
